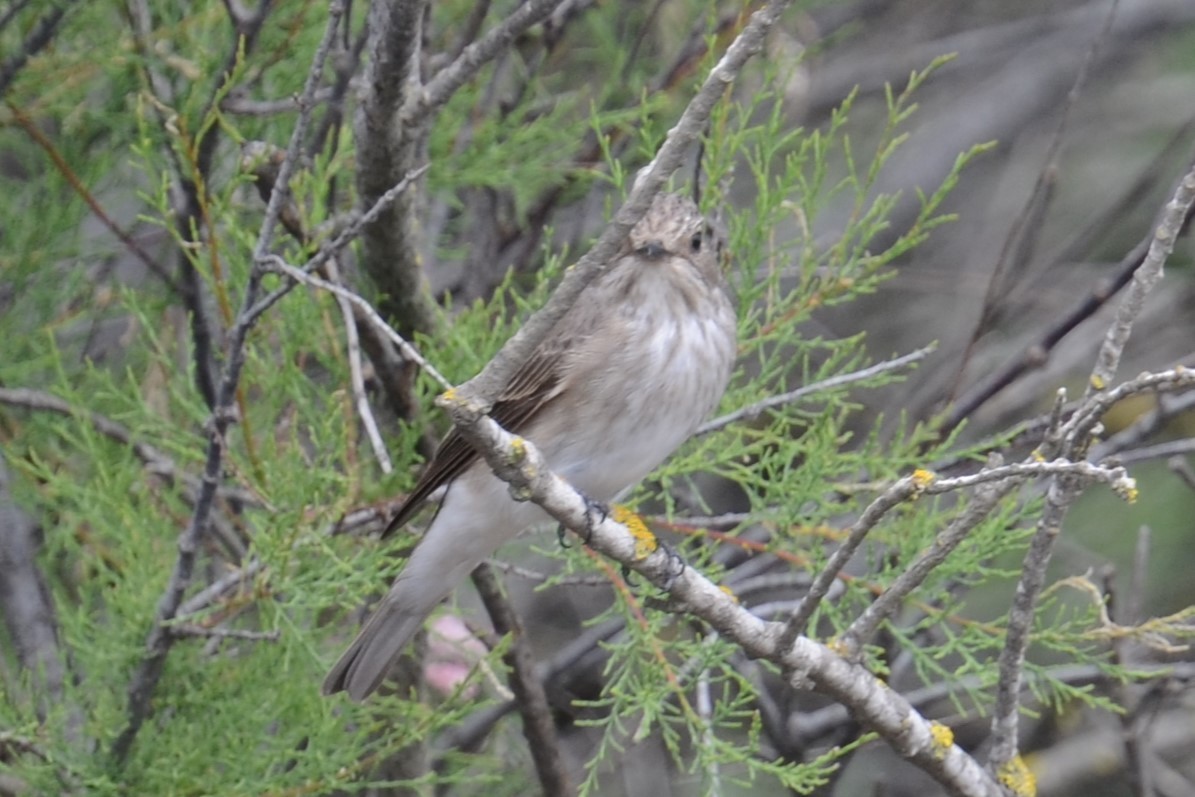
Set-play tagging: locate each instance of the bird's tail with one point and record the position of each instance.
(471, 524)
(400, 614)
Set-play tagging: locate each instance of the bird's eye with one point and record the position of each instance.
(695, 242)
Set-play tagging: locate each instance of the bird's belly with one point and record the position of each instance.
(638, 410)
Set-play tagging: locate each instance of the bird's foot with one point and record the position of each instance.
(592, 508)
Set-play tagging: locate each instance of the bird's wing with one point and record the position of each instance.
(537, 381)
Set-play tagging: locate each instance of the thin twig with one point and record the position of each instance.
(346, 236)
(155, 461)
(440, 88)
(1158, 451)
(41, 35)
(893, 496)
(161, 638)
(356, 377)
(1073, 441)
(528, 689)
(1145, 278)
(978, 509)
(236, 579)
(192, 630)
(753, 411)
(1145, 425)
(408, 351)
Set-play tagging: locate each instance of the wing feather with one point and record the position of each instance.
(537, 381)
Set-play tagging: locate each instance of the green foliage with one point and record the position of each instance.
(243, 716)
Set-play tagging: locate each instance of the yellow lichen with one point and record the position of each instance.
(1097, 382)
(729, 592)
(943, 738)
(518, 449)
(836, 645)
(645, 542)
(1018, 778)
(922, 478)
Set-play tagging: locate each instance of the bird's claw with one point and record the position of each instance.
(592, 507)
(676, 566)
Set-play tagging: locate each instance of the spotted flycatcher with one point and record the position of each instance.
(621, 381)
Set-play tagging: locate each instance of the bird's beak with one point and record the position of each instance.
(652, 250)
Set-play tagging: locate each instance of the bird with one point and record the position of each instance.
(617, 385)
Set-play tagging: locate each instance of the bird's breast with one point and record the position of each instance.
(638, 400)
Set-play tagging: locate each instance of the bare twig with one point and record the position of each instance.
(27, 601)
(36, 40)
(1072, 442)
(977, 510)
(752, 412)
(216, 632)
(351, 231)
(262, 161)
(1158, 451)
(236, 579)
(155, 461)
(356, 377)
(528, 689)
(1174, 217)
(408, 351)
(161, 637)
(1145, 426)
(472, 58)
(897, 494)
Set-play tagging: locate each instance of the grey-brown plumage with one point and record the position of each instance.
(617, 386)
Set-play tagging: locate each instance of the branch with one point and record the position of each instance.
(1174, 217)
(154, 460)
(753, 411)
(356, 378)
(897, 494)
(1072, 442)
(440, 88)
(528, 688)
(35, 42)
(386, 150)
(161, 638)
(978, 509)
(926, 744)
(350, 233)
(27, 600)
(408, 351)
